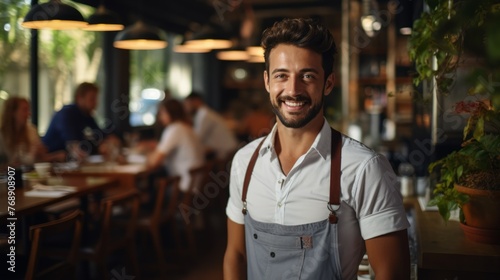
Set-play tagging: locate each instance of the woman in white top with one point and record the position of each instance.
(20, 143)
(179, 148)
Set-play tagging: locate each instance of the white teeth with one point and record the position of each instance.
(294, 104)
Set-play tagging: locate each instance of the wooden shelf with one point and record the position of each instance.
(445, 253)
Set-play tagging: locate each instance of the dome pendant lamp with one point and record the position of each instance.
(140, 36)
(104, 20)
(53, 15)
(209, 37)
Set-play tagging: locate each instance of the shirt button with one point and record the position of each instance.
(272, 254)
(279, 204)
(255, 235)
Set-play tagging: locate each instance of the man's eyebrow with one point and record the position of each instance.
(279, 70)
(309, 70)
(301, 70)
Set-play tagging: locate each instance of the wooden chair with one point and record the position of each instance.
(70, 225)
(173, 211)
(119, 214)
(221, 170)
(163, 211)
(190, 210)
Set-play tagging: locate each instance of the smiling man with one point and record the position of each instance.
(307, 202)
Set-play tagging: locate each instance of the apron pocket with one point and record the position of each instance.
(279, 257)
(284, 264)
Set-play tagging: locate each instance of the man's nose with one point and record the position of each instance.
(294, 86)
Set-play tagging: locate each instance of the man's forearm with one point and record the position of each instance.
(235, 267)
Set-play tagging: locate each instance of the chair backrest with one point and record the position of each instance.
(124, 208)
(69, 225)
(199, 177)
(166, 187)
(169, 187)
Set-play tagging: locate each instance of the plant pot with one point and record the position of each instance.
(483, 208)
(482, 212)
(490, 236)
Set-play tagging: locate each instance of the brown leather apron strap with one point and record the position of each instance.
(334, 202)
(248, 175)
(336, 156)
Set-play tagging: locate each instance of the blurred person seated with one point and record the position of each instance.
(20, 144)
(219, 141)
(179, 149)
(75, 124)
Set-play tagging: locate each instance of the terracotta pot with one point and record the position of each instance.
(490, 236)
(483, 209)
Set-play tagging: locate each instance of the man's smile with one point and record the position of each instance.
(294, 104)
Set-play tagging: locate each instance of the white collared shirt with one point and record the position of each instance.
(371, 203)
(183, 149)
(214, 133)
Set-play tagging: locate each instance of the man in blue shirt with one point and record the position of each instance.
(75, 123)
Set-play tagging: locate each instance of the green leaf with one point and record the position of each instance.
(432, 4)
(461, 216)
(479, 129)
(460, 171)
(492, 38)
(444, 211)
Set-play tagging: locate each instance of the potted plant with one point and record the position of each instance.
(447, 32)
(470, 176)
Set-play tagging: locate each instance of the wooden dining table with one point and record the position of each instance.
(35, 197)
(28, 204)
(127, 175)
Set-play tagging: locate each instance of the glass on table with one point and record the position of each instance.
(23, 158)
(112, 151)
(131, 139)
(77, 151)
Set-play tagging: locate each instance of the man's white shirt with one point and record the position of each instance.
(371, 204)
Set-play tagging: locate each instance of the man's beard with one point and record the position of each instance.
(297, 123)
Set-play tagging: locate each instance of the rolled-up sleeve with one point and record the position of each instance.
(234, 204)
(379, 204)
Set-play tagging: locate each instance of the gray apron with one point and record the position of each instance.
(307, 251)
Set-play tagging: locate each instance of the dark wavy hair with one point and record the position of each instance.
(303, 33)
(13, 136)
(175, 109)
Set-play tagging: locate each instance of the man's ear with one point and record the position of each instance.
(329, 83)
(266, 80)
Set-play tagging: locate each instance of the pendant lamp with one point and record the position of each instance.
(209, 38)
(255, 50)
(188, 49)
(53, 15)
(104, 20)
(209, 43)
(140, 36)
(256, 59)
(234, 54)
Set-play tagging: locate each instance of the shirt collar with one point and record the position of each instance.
(322, 142)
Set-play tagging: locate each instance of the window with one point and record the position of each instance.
(65, 59)
(147, 85)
